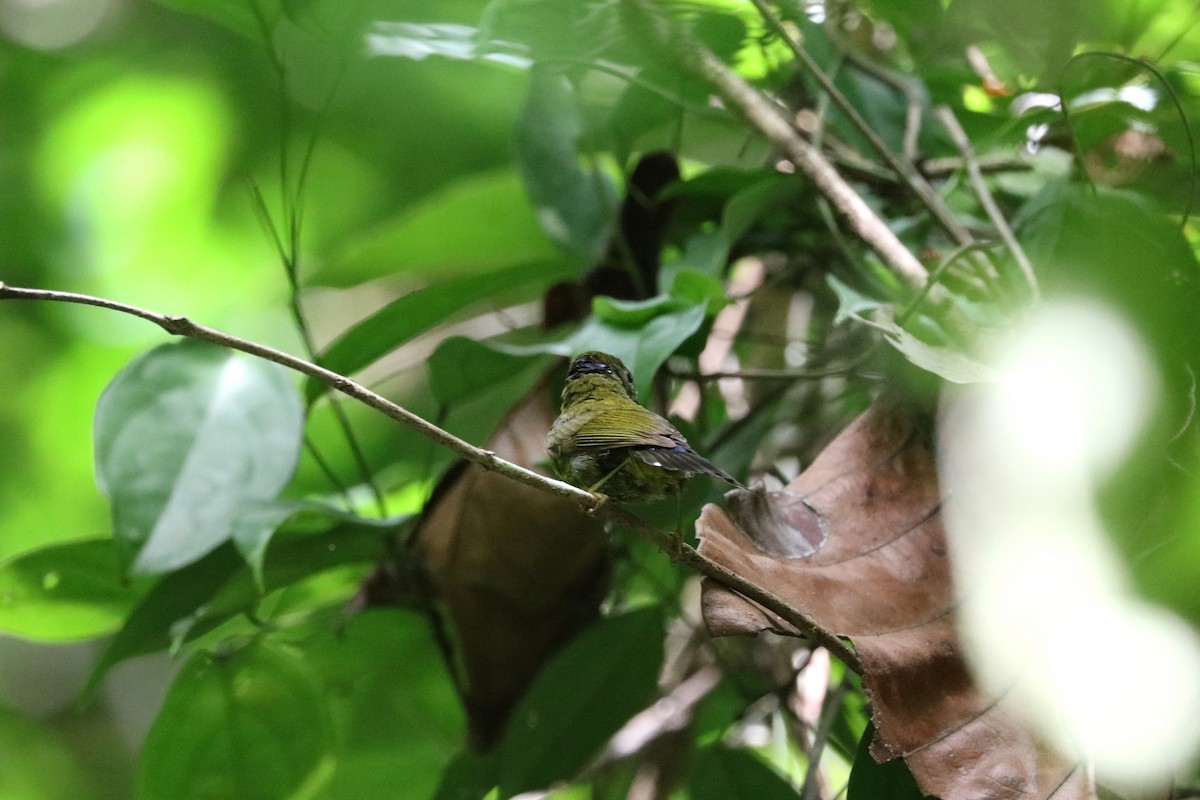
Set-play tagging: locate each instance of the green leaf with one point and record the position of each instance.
(706, 252)
(461, 369)
(253, 725)
(551, 30)
(692, 286)
(480, 223)
(583, 696)
(870, 780)
(643, 348)
(469, 776)
(65, 591)
(944, 362)
(398, 717)
(168, 607)
(39, 765)
(749, 205)
(419, 311)
(458, 42)
(851, 302)
(311, 538)
(720, 773)
(575, 206)
(187, 436)
(631, 313)
(197, 598)
(253, 19)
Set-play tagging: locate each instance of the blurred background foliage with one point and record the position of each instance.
(428, 171)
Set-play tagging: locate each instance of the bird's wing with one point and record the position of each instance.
(627, 425)
(683, 459)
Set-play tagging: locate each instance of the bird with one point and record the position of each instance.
(604, 441)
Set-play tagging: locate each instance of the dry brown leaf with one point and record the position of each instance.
(520, 570)
(856, 542)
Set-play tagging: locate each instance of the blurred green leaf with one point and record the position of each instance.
(631, 313)
(945, 362)
(870, 780)
(398, 716)
(480, 223)
(187, 437)
(38, 765)
(549, 30)
(254, 530)
(851, 302)
(693, 286)
(463, 368)
(574, 205)
(720, 773)
(193, 600)
(460, 42)
(468, 777)
(706, 252)
(65, 591)
(583, 695)
(749, 205)
(419, 311)
(253, 19)
(172, 603)
(253, 724)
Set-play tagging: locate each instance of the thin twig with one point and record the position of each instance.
(182, 326)
(950, 122)
(829, 714)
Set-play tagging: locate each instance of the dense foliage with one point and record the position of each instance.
(219, 578)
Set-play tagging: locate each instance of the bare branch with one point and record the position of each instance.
(182, 326)
(950, 122)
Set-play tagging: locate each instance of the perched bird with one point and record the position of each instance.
(603, 441)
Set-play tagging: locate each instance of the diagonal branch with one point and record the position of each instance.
(768, 119)
(946, 115)
(182, 326)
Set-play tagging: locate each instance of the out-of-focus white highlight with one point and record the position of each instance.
(1047, 615)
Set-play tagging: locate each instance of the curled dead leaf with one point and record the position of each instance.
(856, 543)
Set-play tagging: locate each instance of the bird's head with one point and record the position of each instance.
(600, 369)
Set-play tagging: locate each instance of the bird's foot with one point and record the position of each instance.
(675, 546)
(601, 501)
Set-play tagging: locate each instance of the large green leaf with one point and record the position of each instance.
(253, 19)
(197, 598)
(65, 591)
(38, 765)
(188, 436)
(459, 42)
(643, 347)
(583, 695)
(253, 724)
(574, 205)
(869, 779)
(169, 608)
(480, 223)
(419, 311)
(720, 773)
(398, 716)
(462, 369)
